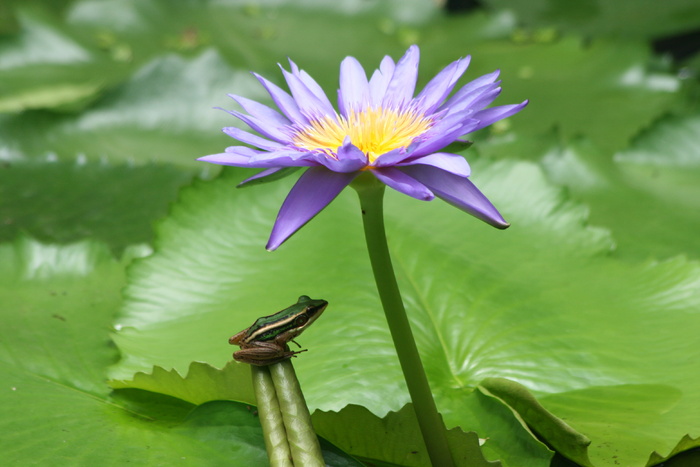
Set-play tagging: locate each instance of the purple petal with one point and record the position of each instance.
(268, 175)
(393, 157)
(380, 81)
(259, 175)
(349, 158)
(272, 132)
(403, 81)
(311, 84)
(261, 112)
(314, 190)
(459, 192)
(284, 101)
(354, 88)
(309, 105)
(488, 116)
(476, 100)
(453, 163)
(253, 140)
(444, 132)
(241, 156)
(225, 159)
(282, 158)
(469, 88)
(401, 182)
(235, 155)
(441, 85)
(485, 99)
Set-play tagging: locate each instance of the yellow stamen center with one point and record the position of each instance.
(373, 131)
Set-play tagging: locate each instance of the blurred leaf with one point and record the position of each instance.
(648, 194)
(163, 112)
(569, 82)
(642, 19)
(57, 305)
(44, 67)
(472, 299)
(8, 20)
(158, 115)
(69, 201)
(258, 34)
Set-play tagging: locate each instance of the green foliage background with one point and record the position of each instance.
(569, 339)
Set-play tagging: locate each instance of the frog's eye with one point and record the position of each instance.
(300, 320)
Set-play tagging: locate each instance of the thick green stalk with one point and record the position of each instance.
(303, 442)
(371, 194)
(271, 418)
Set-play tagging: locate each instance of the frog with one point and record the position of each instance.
(266, 341)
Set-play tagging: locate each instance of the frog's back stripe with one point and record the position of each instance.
(269, 327)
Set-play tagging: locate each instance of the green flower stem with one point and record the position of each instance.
(303, 442)
(271, 418)
(371, 194)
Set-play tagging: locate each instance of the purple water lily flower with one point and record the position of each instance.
(379, 127)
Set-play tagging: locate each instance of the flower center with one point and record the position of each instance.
(373, 131)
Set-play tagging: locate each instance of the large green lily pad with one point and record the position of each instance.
(543, 304)
(55, 406)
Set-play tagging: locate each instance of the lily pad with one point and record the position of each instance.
(558, 434)
(686, 451)
(202, 383)
(163, 110)
(157, 116)
(543, 304)
(63, 202)
(646, 194)
(626, 18)
(641, 413)
(401, 439)
(356, 429)
(44, 67)
(57, 305)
